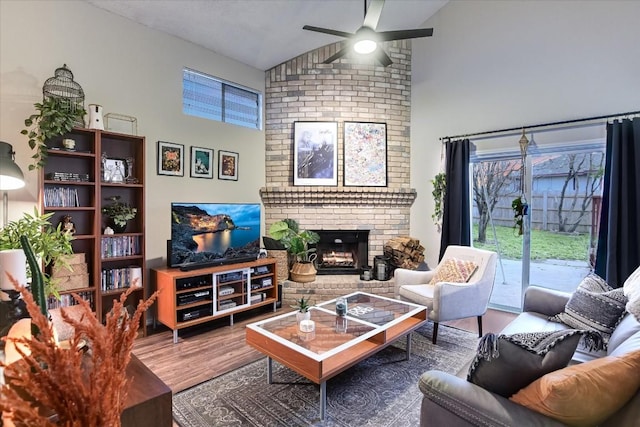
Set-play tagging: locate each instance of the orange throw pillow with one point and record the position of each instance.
(455, 271)
(585, 394)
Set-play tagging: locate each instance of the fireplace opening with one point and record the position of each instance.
(342, 251)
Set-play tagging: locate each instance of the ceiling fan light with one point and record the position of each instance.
(365, 46)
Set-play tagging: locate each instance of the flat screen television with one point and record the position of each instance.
(205, 234)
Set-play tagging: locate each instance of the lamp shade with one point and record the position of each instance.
(11, 176)
(14, 262)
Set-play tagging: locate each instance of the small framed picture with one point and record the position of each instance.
(114, 170)
(170, 159)
(228, 165)
(201, 162)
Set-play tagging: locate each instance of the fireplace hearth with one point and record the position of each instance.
(342, 251)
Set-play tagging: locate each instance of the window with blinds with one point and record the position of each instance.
(211, 98)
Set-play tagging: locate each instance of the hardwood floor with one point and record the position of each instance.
(210, 350)
(202, 352)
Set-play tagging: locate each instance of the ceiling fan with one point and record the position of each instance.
(365, 40)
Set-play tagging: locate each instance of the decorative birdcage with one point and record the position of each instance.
(63, 88)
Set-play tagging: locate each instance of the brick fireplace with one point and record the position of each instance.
(351, 89)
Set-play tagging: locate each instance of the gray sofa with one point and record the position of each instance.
(452, 401)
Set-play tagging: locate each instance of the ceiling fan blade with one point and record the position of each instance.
(339, 54)
(382, 56)
(372, 14)
(404, 34)
(328, 31)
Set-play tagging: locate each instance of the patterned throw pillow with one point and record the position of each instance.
(506, 363)
(455, 271)
(595, 306)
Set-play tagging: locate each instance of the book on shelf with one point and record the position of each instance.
(120, 246)
(67, 300)
(61, 197)
(68, 176)
(121, 278)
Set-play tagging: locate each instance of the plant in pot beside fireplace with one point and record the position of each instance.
(297, 243)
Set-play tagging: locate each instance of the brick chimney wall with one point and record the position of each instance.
(305, 89)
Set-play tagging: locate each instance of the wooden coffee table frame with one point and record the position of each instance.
(321, 367)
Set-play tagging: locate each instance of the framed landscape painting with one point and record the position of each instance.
(170, 159)
(365, 154)
(315, 153)
(201, 162)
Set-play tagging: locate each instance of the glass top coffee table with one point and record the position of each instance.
(372, 323)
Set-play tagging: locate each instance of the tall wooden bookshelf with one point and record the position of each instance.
(74, 182)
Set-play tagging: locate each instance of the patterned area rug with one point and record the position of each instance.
(379, 391)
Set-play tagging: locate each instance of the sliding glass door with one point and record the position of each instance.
(555, 246)
(496, 182)
(564, 209)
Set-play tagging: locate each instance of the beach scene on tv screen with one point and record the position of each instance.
(203, 232)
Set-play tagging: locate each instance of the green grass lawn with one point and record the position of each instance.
(544, 244)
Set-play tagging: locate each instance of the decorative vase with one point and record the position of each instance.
(117, 228)
(303, 315)
(303, 272)
(95, 117)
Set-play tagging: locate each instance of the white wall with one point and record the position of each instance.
(129, 69)
(498, 64)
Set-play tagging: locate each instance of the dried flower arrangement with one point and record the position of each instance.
(81, 388)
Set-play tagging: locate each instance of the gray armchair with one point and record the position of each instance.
(450, 301)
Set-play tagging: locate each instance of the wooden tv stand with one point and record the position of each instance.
(189, 298)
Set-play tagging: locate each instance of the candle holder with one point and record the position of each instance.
(341, 325)
(341, 306)
(307, 326)
(130, 178)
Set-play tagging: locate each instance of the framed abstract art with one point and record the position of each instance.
(365, 154)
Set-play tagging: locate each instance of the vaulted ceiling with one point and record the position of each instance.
(265, 33)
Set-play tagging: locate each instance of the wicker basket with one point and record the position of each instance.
(282, 263)
(68, 283)
(303, 272)
(75, 276)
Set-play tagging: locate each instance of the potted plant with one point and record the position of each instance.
(119, 213)
(297, 243)
(50, 244)
(439, 188)
(519, 206)
(302, 306)
(54, 117)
